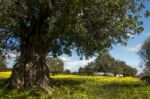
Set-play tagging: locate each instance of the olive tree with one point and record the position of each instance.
(37, 27)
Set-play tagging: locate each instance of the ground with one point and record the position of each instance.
(82, 87)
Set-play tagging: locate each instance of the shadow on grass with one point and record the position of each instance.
(3, 90)
(23, 93)
(121, 85)
(66, 82)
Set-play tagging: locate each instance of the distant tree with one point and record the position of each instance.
(133, 72)
(90, 68)
(107, 64)
(67, 71)
(74, 73)
(144, 53)
(104, 63)
(55, 65)
(121, 67)
(118, 68)
(129, 71)
(81, 70)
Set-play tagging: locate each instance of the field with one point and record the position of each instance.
(82, 87)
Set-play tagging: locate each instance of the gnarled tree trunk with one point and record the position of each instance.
(30, 69)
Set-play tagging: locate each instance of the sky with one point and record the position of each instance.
(127, 54)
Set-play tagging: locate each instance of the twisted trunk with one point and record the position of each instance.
(30, 69)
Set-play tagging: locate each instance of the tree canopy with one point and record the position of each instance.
(60, 25)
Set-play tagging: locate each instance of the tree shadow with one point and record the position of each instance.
(121, 85)
(3, 90)
(67, 82)
(23, 93)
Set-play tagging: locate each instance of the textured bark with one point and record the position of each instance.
(115, 74)
(30, 69)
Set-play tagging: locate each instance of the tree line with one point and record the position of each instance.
(104, 63)
(107, 64)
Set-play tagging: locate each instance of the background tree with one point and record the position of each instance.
(81, 70)
(67, 71)
(119, 67)
(129, 71)
(144, 53)
(107, 64)
(104, 63)
(125, 69)
(37, 27)
(55, 65)
(90, 68)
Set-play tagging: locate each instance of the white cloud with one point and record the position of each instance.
(134, 49)
(65, 58)
(130, 35)
(11, 54)
(74, 65)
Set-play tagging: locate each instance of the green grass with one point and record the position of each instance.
(83, 87)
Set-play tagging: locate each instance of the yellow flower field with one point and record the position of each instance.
(83, 87)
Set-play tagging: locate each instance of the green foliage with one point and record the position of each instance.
(144, 53)
(67, 71)
(59, 26)
(107, 64)
(88, 69)
(147, 13)
(55, 65)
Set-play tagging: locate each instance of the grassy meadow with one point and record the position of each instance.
(82, 87)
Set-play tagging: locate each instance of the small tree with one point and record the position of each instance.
(81, 70)
(118, 67)
(67, 71)
(104, 63)
(129, 71)
(55, 65)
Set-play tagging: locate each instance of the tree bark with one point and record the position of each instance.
(115, 74)
(30, 69)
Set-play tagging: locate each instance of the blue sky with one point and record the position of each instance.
(127, 54)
